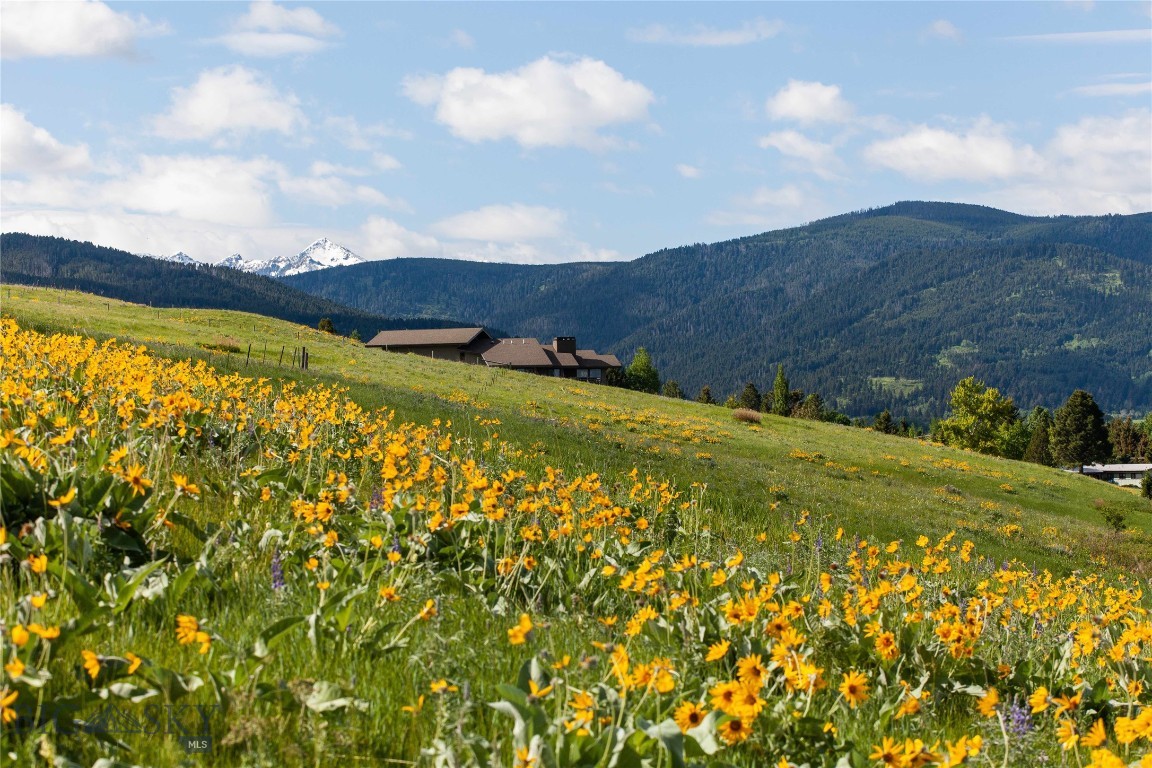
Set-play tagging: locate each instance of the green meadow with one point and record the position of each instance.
(570, 574)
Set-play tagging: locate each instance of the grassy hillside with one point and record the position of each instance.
(876, 485)
(627, 580)
(840, 302)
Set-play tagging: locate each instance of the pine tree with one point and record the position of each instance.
(705, 396)
(642, 375)
(1079, 436)
(1039, 449)
(672, 389)
(750, 397)
(355, 335)
(1146, 485)
(883, 422)
(781, 394)
(326, 325)
(811, 408)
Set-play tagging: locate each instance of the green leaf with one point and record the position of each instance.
(273, 634)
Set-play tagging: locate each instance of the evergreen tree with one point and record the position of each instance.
(672, 389)
(750, 397)
(326, 325)
(1146, 485)
(811, 408)
(732, 402)
(642, 375)
(1079, 436)
(355, 335)
(883, 422)
(1129, 442)
(1039, 449)
(781, 394)
(705, 396)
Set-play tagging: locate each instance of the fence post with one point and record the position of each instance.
(281, 356)
(248, 356)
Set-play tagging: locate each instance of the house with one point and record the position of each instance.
(1124, 475)
(475, 346)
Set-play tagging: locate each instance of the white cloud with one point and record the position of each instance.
(544, 103)
(363, 138)
(334, 192)
(809, 102)
(381, 238)
(1094, 166)
(749, 32)
(270, 30)
(504, 223)
(819, 157)
(1104, 36)
(27, 148)
(981, 153)
(766, 207)
(385, 162)
(461, 39)
(216, 189)
(688, 171)
(943, 30)
(380, 162)
(1114, 89)
(229, 101)
(70, 29)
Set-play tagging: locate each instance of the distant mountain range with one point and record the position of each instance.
(175, 282)
(887, 307)
(322, 254)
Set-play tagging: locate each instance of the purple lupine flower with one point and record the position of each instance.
(277, 570)
(819, 541)
(1018, 719)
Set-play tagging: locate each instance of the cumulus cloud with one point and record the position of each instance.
(1094, 166)
(942, 29)
(382, 238)
(547, 103)
(27, 148)
(688, 171)
(89, 28)
(504, 223)
(229, 101)
(701, 36)
(816, 156)
(216, 189)
(982, 152)
(270, 30)
(809, 102)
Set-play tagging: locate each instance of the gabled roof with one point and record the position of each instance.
(518, 353)
(590, 358)
(426, 337)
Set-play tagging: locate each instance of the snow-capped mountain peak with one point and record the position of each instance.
(178, 258)
(322, 254)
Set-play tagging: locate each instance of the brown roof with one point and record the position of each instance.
(426, 337)
(518, 353)
(589, 358)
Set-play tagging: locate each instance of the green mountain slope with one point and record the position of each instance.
(923, 293)
(59, 263)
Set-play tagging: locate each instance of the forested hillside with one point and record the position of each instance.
(59, 263)
(886, 307)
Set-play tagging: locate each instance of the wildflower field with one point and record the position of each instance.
(308, 579)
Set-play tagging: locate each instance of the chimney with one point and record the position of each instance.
(564, 344)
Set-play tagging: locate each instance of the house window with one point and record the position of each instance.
(582, 373)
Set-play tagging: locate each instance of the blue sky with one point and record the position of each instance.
(546, 132)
